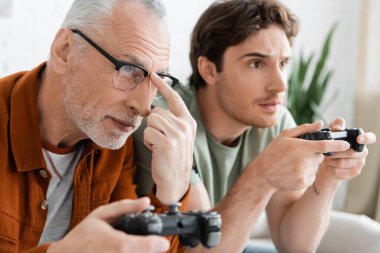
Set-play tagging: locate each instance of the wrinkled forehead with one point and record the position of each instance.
(138, 32)
(271, 42)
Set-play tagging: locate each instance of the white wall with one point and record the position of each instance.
(26, 35)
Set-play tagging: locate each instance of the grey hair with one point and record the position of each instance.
(89, 15)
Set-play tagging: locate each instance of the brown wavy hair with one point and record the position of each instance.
(227, 23)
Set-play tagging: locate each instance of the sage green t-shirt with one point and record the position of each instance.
(217, 166)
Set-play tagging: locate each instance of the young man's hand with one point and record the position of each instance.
(291, 163)
(348, 164)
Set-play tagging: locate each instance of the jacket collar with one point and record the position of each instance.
(24, 122)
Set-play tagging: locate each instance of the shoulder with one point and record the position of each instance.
(6, 86)
(186, 93)
(285, 121)
(18, 86)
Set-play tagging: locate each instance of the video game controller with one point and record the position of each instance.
(192, 227)
(349, 135)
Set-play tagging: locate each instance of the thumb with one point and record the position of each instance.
(303, 129)
(151, 243)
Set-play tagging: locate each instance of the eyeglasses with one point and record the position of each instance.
(127, 75)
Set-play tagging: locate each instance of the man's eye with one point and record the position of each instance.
(128, 69)
(256, 64)
(283, 64)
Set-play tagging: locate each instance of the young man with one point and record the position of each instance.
(65, 127)
(247, 152)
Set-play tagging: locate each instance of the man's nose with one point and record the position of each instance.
(143, 97)
(278, 80)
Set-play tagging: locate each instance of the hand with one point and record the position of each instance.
(170, 136)
(348, 164)
(95, 234)
(291, 163)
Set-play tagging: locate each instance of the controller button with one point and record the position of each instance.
(215, 222)
(213, 239)
(154, 227)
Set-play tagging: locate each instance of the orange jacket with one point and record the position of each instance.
(101, 176)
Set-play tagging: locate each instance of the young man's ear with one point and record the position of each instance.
(60, 50)
(207, 70)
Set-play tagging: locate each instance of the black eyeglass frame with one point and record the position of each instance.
(119, 64)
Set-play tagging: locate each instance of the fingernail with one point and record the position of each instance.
(163, 245)
(145, 200)
(319, 122)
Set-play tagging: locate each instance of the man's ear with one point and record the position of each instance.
(207, 70)
(60, 50)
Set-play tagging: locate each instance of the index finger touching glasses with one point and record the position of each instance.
(173, 99)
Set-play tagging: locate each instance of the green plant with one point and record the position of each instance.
(306, 89)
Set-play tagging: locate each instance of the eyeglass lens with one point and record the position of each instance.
(128, 77)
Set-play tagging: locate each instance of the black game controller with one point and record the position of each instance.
(192, 227)
(349, 135)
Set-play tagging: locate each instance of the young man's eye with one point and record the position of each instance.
(283, 64)
(256, 64)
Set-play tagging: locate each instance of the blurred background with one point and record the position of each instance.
(27, 29)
